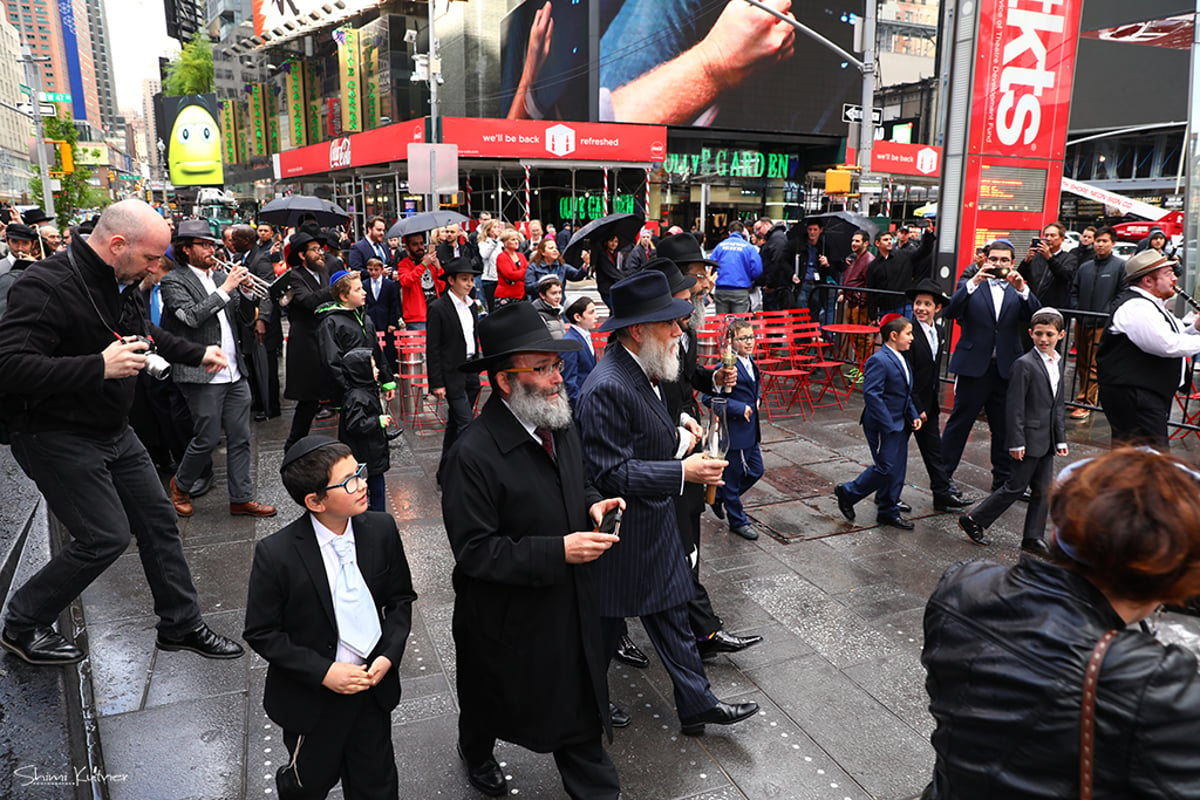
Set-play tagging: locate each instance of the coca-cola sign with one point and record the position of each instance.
(339, 153)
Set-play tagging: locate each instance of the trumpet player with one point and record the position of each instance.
(1143, 353)
(205, 302)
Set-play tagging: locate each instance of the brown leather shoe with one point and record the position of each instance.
(181, 500)
(251, 508)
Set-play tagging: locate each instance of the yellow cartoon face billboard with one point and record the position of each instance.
(193, 140)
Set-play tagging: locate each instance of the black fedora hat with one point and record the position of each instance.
(194, 229)
(675, 279)
(644, 297)
(296, 246)
(460, 266)
(511, 329)
(683, 249)
(36, 216)
(928, 286)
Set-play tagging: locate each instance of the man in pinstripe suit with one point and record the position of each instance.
(629, 441)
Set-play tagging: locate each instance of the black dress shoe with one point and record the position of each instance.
(845, 505)
(41, 645)
(1035, 547)
(718, 509)
(720, 714)
(1026, 496)
(486, 777)
(903, 523)
(722, 642)
(205, 641)
(964, 500)
(949, 503)
(260, 416)
(745, 531)
(628, 653)
(326, 412)
(973, 530)
(903, 507)
(618, 717)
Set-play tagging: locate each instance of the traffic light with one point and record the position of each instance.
(112, 177)
(66, 158)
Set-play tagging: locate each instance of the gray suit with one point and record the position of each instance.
(214, 406)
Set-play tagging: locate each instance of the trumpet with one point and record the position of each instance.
(258, 286)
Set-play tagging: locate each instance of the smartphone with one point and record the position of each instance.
(1001, 272)
(1034, 244)
(611, 523)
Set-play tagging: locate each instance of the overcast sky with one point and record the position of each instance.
(138, 31)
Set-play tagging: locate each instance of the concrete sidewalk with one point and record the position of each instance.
(838, 674)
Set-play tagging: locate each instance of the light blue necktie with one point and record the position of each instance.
(155, 304)
(353, 606)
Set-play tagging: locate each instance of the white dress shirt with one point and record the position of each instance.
(333, 568)
(997, 287)
(376, 286)
(1050, 362)
(1156, 331)
(931, 335)
(896, 354)
(228, 374)
(467, 320)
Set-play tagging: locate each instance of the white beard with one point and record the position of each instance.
(552, 412)
(660, 360)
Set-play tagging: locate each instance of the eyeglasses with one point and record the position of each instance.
(355, 483)
(749, 338)
(542, 371)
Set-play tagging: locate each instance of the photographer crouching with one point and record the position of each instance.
(71, 344)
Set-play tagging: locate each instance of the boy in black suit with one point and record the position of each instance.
(330, 609)
(1035, 406)
(453, 320)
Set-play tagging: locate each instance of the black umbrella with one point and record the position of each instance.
(289, 211)
(624, 226)
(425, 221)
(838, 227)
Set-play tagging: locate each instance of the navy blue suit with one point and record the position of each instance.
(629, 441)
(578, 365)
(982, 361)
(363, 249)
(889, 411)
(744, 456)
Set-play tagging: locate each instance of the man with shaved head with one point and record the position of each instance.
(69, 357)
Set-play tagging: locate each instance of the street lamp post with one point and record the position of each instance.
(162, 163)
(33, 74)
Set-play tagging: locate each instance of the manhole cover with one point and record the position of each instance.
(799, 482)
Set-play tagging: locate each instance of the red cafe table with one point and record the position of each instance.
(867, 332)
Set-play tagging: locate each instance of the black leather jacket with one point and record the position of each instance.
(1005, 650)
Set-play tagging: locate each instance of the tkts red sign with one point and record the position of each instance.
(1023, 74)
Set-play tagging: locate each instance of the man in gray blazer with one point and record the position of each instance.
(629, 443)
(206, 303)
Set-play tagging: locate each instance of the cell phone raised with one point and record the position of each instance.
(611, 522)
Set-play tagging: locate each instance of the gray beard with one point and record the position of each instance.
(661, 361)
(552, 412)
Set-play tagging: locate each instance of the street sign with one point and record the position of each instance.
(47, 110)
(130, 177)
(26, 90)
(852, 112)
(55, 97)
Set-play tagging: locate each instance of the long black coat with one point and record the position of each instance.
(305, 380)
(526, 626)
(445, 347)
(926, 385)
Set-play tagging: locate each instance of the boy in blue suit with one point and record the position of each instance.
(744, 456)
(887, 419)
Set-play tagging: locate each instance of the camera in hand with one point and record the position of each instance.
(1001, 273)
(156, 366)
(1035, 243)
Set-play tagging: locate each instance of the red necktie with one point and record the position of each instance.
(547, 438)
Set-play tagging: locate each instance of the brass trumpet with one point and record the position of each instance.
(259, 287)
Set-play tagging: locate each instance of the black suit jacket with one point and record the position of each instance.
(926, 386)
(290, 619)
(445, 347)
(1036, 419)
(383, 310)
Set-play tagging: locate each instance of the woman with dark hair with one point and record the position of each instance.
(547, 260)
(581, 321)
(1007, 649)
(607, 265)
(549, 304)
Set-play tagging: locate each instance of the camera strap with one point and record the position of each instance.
(87, 292)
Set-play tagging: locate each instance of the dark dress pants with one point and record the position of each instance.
(688, 509)
(777, 299)
(676, 647)
(103, 488)
(302, 420)
(744, 470)
(352, 742)
(885, 477)
(460, 412)
(929, 442)
(587, 771)
(1034, 473)
(1137, 415)
(972, 395)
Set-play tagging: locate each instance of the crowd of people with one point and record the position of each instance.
(573, 501)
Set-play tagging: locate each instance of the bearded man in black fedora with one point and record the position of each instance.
(629, 442)
(307, 382)
(521, 515)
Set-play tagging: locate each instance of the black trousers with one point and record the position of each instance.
(672, 638)
(352, 743)
(587, 771)
(460, 411)
(1136, 415)
(1032, 472)
(972, 395)
(160, 418)
(929, 442)
(302, 420)
(688, 508)
(103, 488)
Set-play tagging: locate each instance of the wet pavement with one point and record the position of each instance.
(838, 674)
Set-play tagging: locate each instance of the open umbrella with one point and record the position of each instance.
(425, 221)
(624, 226)
(290, 210)
(838, 227)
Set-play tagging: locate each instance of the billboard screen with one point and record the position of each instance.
(678, 62)
(188, 126)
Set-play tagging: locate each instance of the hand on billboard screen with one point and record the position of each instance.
(746, 37)
(536, 53)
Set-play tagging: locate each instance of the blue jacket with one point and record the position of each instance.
(740, 264)
(578, 365)
(887, 394)
(362, 250)
(536, 271)
(981, 333)
(743, 435)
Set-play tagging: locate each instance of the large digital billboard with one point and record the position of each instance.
(678, 62)
(188, 126)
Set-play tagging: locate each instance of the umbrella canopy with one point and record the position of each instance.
(838, 226)
(290, 210)
(425, 221)
(624, 226)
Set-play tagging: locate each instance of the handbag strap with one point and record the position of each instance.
(1087, 724)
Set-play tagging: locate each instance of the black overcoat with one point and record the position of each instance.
(306, 379)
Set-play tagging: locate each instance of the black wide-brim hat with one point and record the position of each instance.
(36, 216)
(641, 298)
(191, 230)
(296, 246)
(675, 279)
(683, 249)
(460, 266)
(515, 328)
(928, 286)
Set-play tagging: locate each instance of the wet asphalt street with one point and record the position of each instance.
(838, 674)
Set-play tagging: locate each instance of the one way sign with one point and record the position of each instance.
(854, 113)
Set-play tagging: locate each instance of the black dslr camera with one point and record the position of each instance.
(156, 367)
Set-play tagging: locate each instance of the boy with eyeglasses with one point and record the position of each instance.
(333, 651)
(745, 457)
